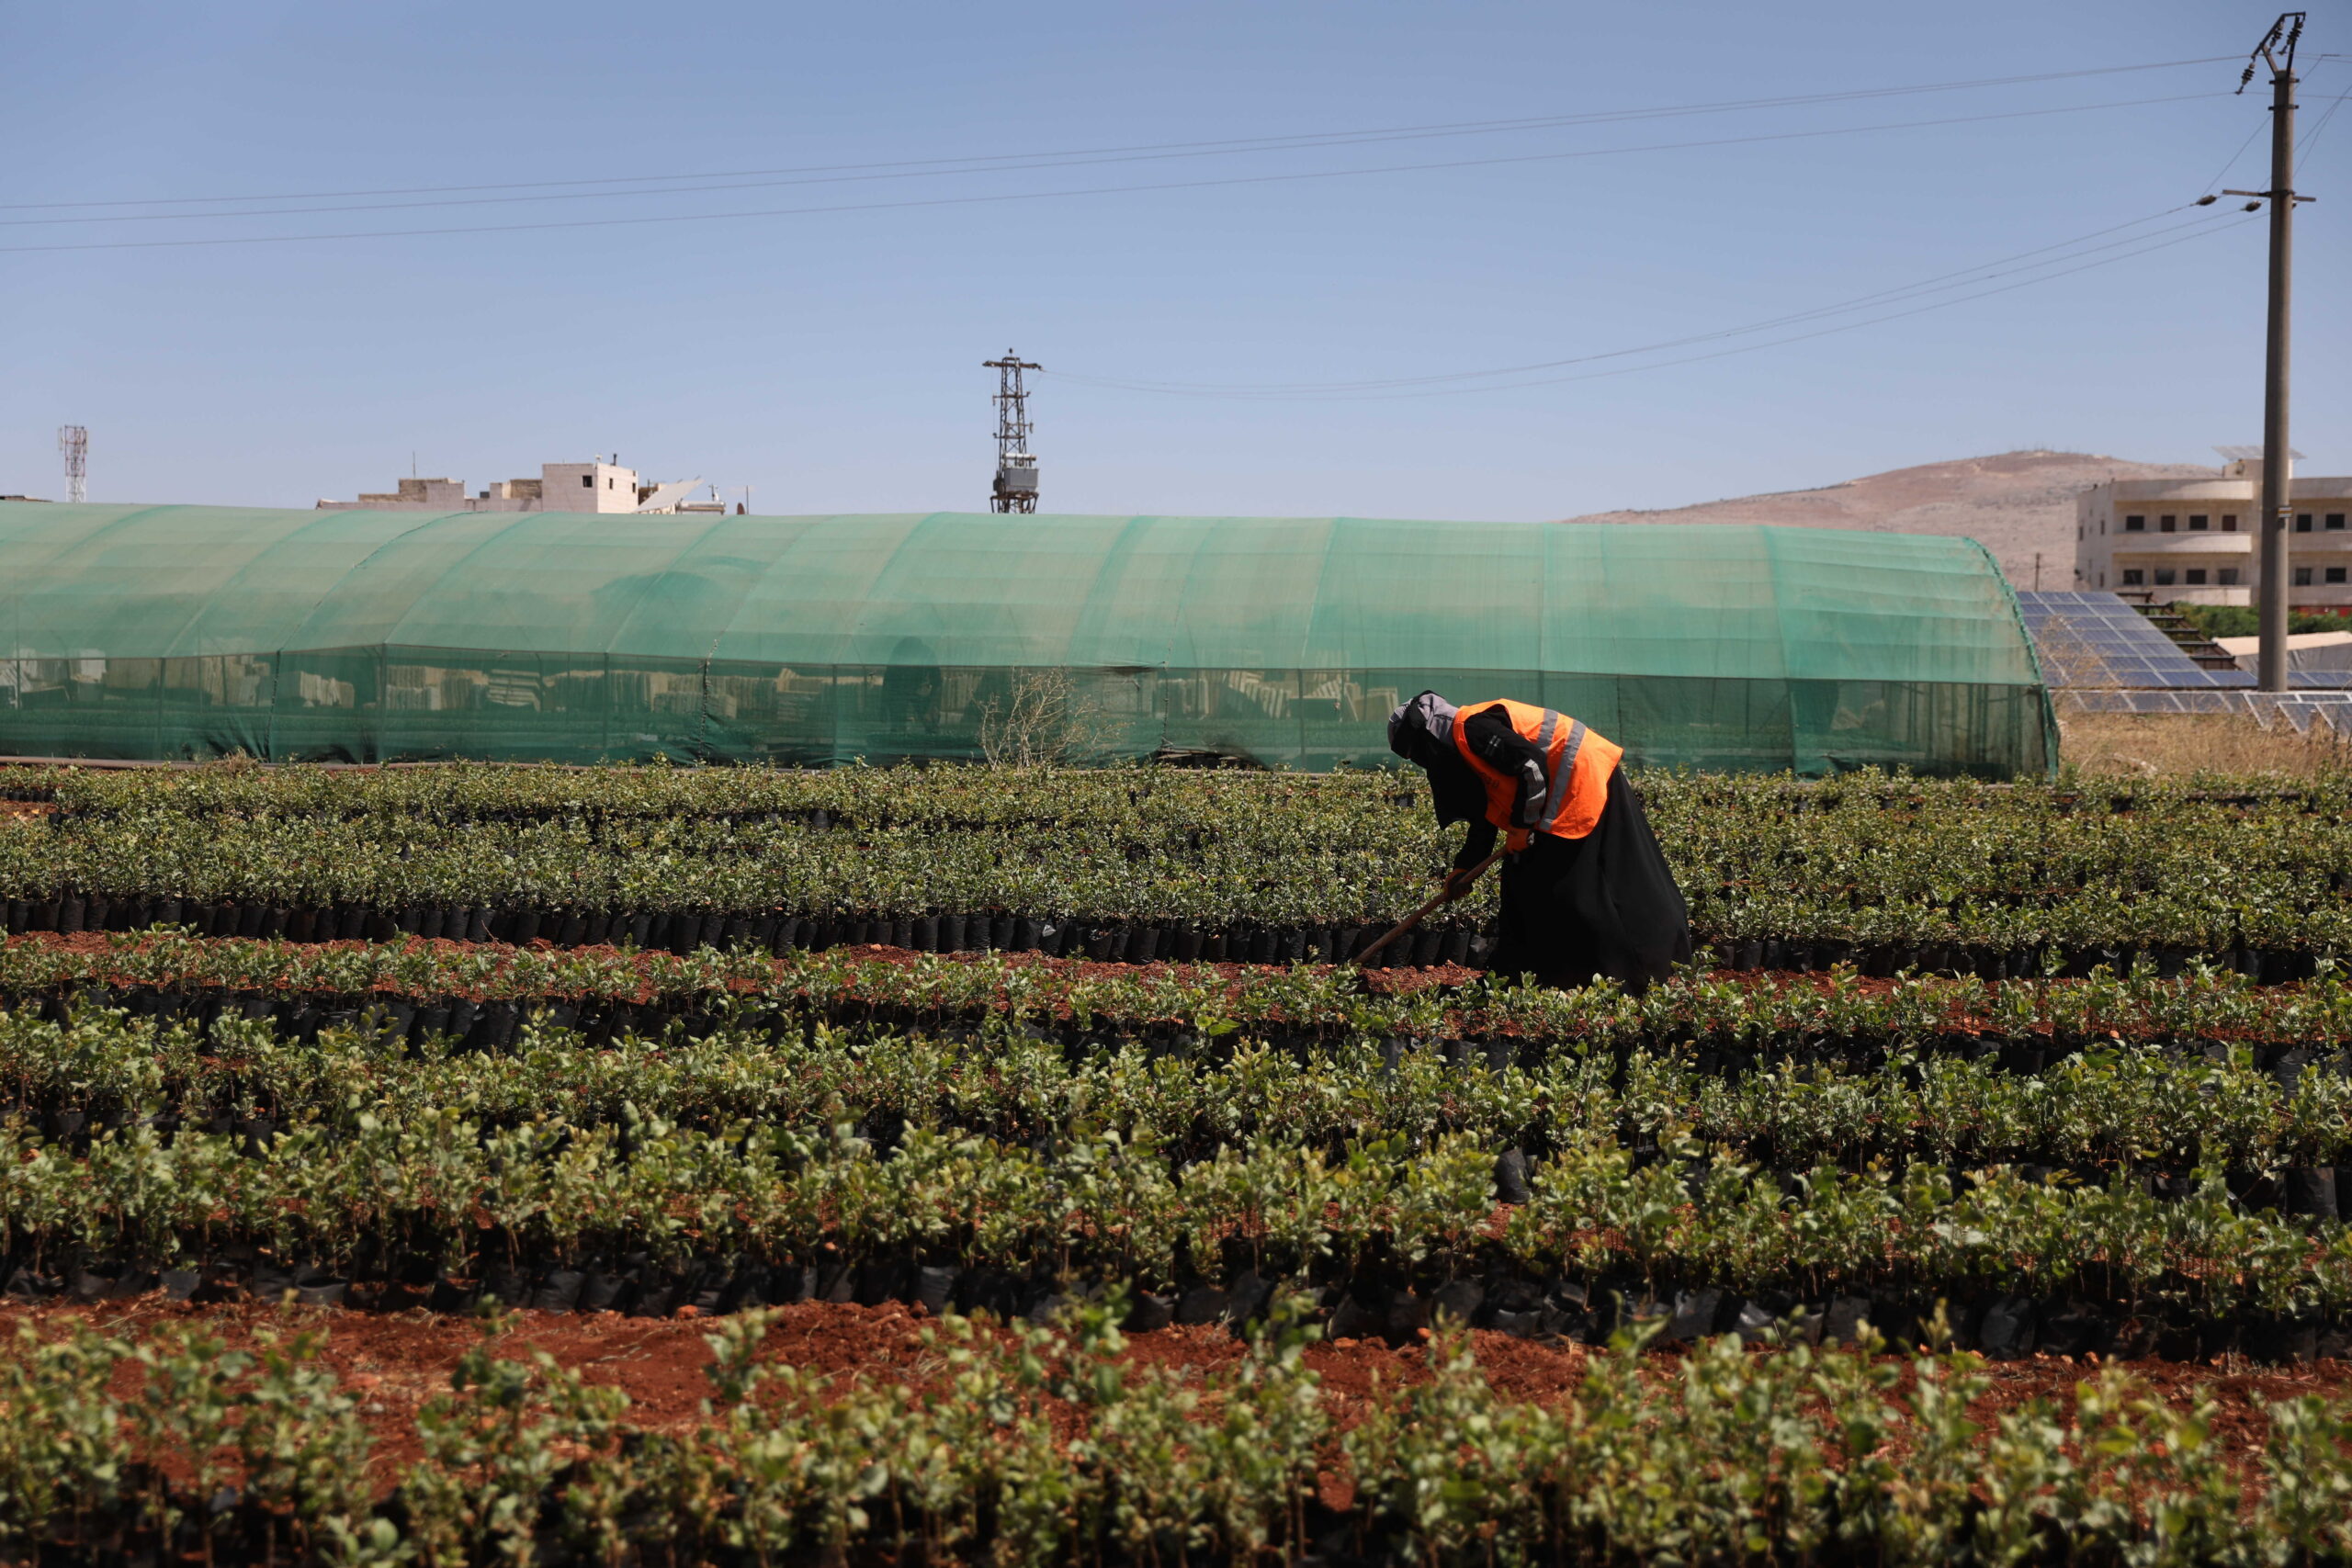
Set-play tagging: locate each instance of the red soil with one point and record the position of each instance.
(399, 1361)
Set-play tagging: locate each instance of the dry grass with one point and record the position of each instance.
(2133, 745)
(2142, 745)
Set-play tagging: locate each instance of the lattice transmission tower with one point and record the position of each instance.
(74, 440)
(1016, 466)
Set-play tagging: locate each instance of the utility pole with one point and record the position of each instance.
(73, 441)
(2277, 51)
(1016, 466)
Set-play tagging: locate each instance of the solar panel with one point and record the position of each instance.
(2297, 711)
(2090, 641)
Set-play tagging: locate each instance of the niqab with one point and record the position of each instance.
(1422, 731)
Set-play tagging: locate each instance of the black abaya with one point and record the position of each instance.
(1572, 908)
(1602, 905)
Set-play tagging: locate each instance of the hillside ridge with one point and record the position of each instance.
(2014, 503)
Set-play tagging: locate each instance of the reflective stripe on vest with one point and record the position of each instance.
(1576, 766)
(1562, 774)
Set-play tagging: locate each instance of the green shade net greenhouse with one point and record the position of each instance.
(191, 632)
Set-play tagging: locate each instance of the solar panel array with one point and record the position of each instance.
(2298, 710)
(2097, 639)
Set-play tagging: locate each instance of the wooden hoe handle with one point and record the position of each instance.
(1444, 896)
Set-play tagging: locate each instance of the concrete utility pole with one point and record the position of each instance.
(2277, 51)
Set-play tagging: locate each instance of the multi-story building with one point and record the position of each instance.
(561, 487)
(2195, 541)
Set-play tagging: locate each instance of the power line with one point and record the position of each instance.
(2310, 137)
(1982, 272)
(2232, 222)
(2198, 232)
(1100, 190)
(1964, 277)
(2215, 183)
(693, 189)
(2302, 147)
(1308, 140)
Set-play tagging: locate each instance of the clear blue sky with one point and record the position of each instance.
(830, 359)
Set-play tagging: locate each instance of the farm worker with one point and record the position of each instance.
(1584, 891)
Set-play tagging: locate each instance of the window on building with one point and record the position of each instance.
(2133, 577)
(2135, 525)
(2227, 576)
(2302, 522)
(2336, 521)
(608, 484)
(2228, 522)
(2194, 577)
(2103, 528)
(2336, 574)
(2102, 580)
(2196, 522)
(2164, 577)
(587, 481)
(2168, 524)
(2302, 576)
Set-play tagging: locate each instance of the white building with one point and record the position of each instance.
(561, 487)
(2194, 541)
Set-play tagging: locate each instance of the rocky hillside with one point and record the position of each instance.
(2015, 503)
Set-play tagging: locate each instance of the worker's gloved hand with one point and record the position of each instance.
(1458, 882)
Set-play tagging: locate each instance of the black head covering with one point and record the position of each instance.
(1422, 731)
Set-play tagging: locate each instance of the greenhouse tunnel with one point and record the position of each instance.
(191, 632)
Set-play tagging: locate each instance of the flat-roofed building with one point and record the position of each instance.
(561, 487)
(2194, 541)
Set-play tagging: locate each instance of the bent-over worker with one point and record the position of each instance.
(1584, 891)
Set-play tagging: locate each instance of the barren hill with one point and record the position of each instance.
(2014, 503)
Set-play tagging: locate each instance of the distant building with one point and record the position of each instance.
(2305, 650)
(2195, 541)
(561, 487)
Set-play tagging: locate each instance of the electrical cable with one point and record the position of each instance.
(2303, 143)
(1960, 279)
(2215, 183)
(674, 190)
(1308, 139)
(1099, 190)
(2199, 231)
(2310, 138)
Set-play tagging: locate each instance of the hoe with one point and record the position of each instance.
(1445, 895)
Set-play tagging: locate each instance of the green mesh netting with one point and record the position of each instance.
(176, 632)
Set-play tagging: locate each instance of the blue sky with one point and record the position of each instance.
(830, 360)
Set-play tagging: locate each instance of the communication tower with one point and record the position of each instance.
(74, 440)
(1016, 466)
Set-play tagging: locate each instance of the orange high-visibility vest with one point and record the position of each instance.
(1577, 762)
